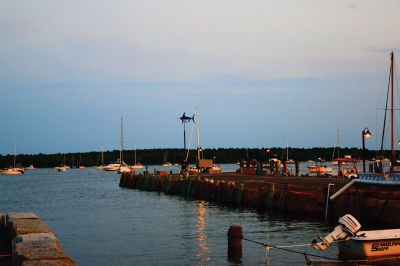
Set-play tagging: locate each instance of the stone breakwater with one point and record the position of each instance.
(30, 242)
(370, 204)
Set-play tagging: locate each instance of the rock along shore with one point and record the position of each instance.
(370, 204)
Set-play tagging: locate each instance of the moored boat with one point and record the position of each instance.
(137, 166)
(356, 244)
(12, 171)
(319, 169)
(30, 167)
(111, 167)
(61, 169)
(376, 243)
(123, 169)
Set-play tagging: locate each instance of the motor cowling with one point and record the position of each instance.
(348, 227)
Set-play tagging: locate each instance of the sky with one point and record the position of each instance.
(263, 73)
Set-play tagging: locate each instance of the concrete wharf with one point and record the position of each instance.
(290, 195)
(26, 240)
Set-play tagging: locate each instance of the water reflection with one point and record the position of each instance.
(203, 250)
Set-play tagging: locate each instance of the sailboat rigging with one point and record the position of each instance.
(377, 169)
(391, 92)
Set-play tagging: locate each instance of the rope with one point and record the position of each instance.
(268, 247)
(289, 250)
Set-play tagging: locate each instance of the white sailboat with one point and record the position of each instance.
(166, 163)
(101, 166)
(63, 167)
(136, 165)
(13, 170)
(120, 166)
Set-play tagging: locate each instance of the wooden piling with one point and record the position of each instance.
(235, 234)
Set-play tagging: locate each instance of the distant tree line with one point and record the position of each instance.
(159, 156)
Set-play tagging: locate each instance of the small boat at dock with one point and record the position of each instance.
(319, 169)
(356, 244)
(376, 243)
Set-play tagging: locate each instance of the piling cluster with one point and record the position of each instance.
(32, 241)
(281, 197)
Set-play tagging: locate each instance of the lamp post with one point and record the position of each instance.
(365, 134)
(269, 160)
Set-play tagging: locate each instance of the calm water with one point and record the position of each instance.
(99, 223)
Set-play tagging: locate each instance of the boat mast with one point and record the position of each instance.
(15, 154)
(393, 161)
(199, 150)
(102, 155)
(135, 154)
(122, 144)
(287, 151)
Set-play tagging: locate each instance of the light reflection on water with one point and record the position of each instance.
(99, 223)
(201, 231)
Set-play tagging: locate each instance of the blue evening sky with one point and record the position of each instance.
(263, 73)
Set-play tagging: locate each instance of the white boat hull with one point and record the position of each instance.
(12, 171)
(61, 169)
(123, 169)
(111, 167)
(136, 166)
(377, 243)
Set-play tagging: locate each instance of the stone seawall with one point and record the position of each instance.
(30, 242)
(369, 204)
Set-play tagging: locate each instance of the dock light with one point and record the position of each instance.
(365, 134)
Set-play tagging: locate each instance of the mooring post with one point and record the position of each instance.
(235, 234)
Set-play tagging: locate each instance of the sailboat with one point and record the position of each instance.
(123, 168)
(120, 166)
(13, 170)
(136, 165)
(101, 166)
(63, 167)
(166, 162)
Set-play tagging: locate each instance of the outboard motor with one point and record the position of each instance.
(348, 227)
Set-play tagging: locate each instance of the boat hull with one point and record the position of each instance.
(360, 249)
(111, 167)
(319, 169)
(12, 171)
(61, 169)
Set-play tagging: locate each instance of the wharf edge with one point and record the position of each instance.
(371, 204)
(26, 240)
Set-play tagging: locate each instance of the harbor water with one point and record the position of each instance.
(99, 223)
